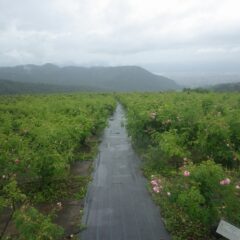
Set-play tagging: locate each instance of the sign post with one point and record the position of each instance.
(228, 231)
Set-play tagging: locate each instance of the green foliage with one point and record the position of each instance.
(194, 132)
(191, 201)
(33, 225)
(40, 137)
(193, 125)
(11, 194)
(205, 179)
(198, 200)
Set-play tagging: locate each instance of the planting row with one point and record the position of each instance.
(40, 137)
(190, 144)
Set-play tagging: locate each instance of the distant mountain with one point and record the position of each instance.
(226, 87)
(202, 79)
(125, 78)
(12, 87)
(221, 87)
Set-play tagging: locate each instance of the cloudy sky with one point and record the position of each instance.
(157, 34)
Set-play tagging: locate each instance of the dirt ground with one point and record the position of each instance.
(70, 215)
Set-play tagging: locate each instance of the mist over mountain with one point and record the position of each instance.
(124, 78)
(201, 79)
(226, 87)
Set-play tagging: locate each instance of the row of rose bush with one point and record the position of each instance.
(196, 198)
(196, 126)
(190, 147)
(40, 137)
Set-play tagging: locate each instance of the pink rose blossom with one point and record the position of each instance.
(154, 182)
(156, 189)
(222, 182)
(225, 181)
(186, 174)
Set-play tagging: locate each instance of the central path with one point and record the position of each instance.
(118, 205)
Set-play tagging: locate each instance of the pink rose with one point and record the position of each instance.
(222, 182)
(156, 189)
(186, 174)
(154, 182)
(17, 161)
(225, 181)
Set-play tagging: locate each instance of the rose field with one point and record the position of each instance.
(188, 143)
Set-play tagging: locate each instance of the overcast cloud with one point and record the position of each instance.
(120, 32)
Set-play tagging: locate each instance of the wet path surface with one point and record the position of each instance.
(118, 205)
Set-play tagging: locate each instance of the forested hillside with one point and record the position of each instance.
(125, 78)
(13, 87)
(226, 87)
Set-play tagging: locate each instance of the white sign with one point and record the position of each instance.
(228, 231)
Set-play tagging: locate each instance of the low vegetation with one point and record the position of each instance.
(40, 138)
(190, 144)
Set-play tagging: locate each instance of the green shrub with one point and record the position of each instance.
(172, 128)
(200, 199)
(33, 225)
(192, 202)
